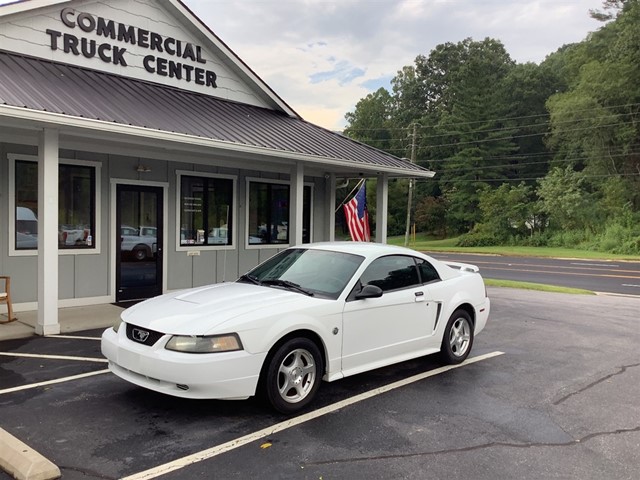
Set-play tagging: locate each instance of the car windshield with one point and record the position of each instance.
(322, 272)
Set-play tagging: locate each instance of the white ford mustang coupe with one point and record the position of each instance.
(310, 313)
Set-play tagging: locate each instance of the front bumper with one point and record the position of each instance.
(227, 375)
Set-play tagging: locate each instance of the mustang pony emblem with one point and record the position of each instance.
(140, 335)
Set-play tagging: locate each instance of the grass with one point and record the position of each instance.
(423, 243)
(535, 286)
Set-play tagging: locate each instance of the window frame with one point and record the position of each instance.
(254, 246)
(97, 200)
(232, 211)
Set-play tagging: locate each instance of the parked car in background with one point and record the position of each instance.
(140, 243)
(310, 313)
(26, 228)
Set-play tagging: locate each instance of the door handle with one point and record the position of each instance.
(419, 296)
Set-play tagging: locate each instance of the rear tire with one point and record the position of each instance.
(292, 376)
(140, 253)
(457, 339)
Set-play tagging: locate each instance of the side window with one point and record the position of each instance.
(391, 273)
(428, 273)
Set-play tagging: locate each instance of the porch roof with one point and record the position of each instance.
(45, 86)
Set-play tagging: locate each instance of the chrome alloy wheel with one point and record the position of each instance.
(296, 376)
(460, 336)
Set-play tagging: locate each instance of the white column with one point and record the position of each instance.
(330, 195)
(382, 207)
(296, 204)
(48, 233)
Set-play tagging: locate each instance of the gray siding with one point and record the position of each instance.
(89, 275)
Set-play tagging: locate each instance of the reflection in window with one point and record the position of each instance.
(205, 211)
(76, 206)
(269, 213)
(26, 188)
(427, 272)
(391, 273)
(324, 273)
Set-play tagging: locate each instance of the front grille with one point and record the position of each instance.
(143, 335)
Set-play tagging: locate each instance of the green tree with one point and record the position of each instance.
(595, 125)
(370, 122)
(565, 197)
(507, 213)
(430, 216)
(473, 127)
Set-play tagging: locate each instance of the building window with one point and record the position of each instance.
(76, 206)
(269, 213)
(205, 211)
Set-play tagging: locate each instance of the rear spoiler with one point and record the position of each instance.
(464, 267)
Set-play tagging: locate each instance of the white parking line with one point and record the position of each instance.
(52, 382)
(239, 442)
(73, 337)
(54, 357)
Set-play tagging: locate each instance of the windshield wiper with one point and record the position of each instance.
(289, 285)
(251, 279)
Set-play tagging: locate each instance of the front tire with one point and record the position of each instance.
(458, 338)
(293, 375)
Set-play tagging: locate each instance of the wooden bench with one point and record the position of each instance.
(5, 297)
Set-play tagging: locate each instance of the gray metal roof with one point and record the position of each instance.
(47, 86)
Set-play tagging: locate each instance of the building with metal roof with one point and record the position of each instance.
(150, 158)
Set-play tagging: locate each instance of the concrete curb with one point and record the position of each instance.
(23, 462)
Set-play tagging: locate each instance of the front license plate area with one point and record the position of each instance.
(129, 360)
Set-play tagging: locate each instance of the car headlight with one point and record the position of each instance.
(204, 344)
(117, 324)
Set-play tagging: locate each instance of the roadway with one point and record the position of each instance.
(597, 275)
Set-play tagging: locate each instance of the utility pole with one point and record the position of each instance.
(410, 196)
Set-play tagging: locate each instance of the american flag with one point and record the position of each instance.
(355, 211)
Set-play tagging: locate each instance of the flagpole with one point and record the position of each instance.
(358, 185)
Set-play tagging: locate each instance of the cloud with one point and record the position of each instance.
(323, 56)
(343, 72)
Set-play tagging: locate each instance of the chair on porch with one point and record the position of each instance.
(5, 297)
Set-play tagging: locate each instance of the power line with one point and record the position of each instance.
(471, 122)
(507, 138)
(565, 159)
(522, 179)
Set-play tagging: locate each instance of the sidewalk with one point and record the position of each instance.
(72, 319)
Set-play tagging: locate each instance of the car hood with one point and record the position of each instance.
(199, 311)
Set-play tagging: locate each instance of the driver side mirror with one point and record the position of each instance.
(369, 291)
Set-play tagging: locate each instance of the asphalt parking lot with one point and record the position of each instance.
(561, 401)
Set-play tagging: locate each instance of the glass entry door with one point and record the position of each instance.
(139, 238)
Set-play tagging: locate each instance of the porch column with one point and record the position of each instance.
(48, 233)
(330, 207)
(296, 204)
(382, 207)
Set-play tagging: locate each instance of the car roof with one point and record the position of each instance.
(366, 249)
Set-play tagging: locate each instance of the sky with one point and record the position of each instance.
(322, 56)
